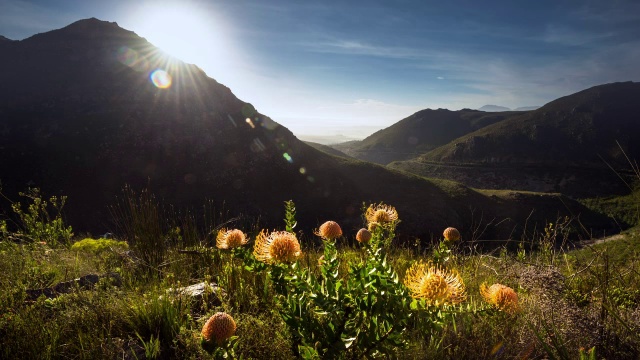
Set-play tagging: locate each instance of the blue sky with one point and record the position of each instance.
(330, 70)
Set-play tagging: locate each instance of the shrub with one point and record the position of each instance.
(42, 220)
(98, 246)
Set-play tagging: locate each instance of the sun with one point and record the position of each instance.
(182, 30)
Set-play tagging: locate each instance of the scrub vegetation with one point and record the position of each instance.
(282, 294)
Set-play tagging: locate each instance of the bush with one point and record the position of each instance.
(98, 246)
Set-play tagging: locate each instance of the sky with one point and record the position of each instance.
(335, 70)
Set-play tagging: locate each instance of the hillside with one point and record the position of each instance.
(419, 133)
(564, 145)
(80, 117)
(327, 149)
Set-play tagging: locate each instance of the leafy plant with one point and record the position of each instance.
(42, 220)
(159, 317)
(332, 315)
(290, 215)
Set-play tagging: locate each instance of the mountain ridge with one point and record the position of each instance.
(581, 130)
(82, 119)
(494, 108)
(418, 133)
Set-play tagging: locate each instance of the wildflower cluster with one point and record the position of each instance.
(362, 311)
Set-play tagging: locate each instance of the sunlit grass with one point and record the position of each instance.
(567, 300)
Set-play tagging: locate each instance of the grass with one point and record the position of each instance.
(625, 209)
(571, 301)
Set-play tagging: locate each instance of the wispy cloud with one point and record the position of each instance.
(564, 35)
(355, 47)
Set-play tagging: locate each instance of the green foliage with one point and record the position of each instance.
(151, 347)
(624, 209)
(443, 254)
(331, 315)
(363, 313)
(290, 215)
(42, 220)
(588, 354)
(353, 304)
(226, 350)
(4, 233)
(159, 315)
(98, 246)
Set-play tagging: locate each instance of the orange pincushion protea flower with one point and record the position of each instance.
(502, 296)
(451, 234)
(229, 239)
(363, 236)
(218, 328)
(437, 286)
(277, 247)
(330, 230)
(381, 214)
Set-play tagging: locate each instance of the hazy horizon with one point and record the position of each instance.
(335, 70)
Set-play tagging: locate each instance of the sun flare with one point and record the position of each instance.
(181, 30)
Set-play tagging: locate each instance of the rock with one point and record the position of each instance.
(85, 282)
(202, 293)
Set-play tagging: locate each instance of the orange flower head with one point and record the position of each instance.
(229, 239)
(381, 214)
(451, 234)
(277, 247)
(219, 328)
(363, 236)
(330, 230)
(502, 296)
(437, 286)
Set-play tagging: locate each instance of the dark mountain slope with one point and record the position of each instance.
(419, 133)
(560, 147)
(79, 116)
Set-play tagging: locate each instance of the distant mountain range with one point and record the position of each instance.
(327, 149)
(567, 146)
(497, 108)
(418, 134)
(493, 108)
(79, 116)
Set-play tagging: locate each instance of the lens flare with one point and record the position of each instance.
(160, 78)
(133, 59)
(269, 124)
(287, 157)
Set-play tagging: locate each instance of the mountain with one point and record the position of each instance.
(4, 39)
(564, 146)
(494, 108)
(80, 116)
(418, 134)
(327, 149)
(527, 108)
